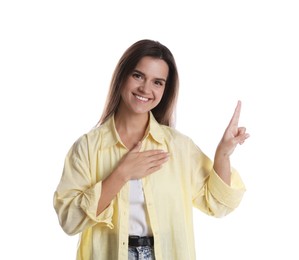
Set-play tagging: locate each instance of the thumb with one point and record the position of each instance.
(136, 148)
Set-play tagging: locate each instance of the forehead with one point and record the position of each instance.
(154, 67)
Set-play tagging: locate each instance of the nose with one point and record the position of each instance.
(144, 87)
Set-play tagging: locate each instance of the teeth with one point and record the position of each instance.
(141, 98)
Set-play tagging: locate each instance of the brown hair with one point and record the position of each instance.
(164, 111)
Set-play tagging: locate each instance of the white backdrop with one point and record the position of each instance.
(56, 61)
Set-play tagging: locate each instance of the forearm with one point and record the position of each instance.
(110, 187)
(222, 166)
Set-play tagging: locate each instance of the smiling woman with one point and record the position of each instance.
(129, 185)
(144, 88)
(127, 66)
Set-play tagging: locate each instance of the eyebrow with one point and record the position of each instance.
(138, 71)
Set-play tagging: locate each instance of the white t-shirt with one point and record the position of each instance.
(138, 219)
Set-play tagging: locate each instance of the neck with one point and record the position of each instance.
(131, 124)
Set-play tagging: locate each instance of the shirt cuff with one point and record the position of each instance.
(229, 196)
(89, 204)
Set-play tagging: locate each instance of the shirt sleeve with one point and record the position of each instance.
(210, 193)
(76, 197)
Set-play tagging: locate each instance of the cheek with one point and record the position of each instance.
(125, 89)
(159, 94)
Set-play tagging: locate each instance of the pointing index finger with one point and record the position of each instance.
(235, 118)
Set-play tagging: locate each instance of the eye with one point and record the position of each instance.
(159, 83)
(137, 76)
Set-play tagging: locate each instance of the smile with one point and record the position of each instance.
(144, 99)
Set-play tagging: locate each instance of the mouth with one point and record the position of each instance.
(141, 98)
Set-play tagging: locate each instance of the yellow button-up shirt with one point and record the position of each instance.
(185, 181)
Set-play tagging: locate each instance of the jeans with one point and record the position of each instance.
(141, 253)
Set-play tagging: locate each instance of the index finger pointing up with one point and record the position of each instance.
(235, 118)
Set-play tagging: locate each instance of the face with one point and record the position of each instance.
(144, 87)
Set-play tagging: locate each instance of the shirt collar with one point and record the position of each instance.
(155, 130)
(111, 136)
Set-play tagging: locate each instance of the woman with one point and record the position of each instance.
(129, 185)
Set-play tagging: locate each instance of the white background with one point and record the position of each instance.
(56, 61)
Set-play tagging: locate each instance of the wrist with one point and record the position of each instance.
(221, 154)
(120, 175)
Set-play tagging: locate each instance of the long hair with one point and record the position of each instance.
(164, 112)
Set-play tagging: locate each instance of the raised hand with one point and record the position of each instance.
(136, 164)
(233, 134)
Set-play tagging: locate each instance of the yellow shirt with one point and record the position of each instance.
(185, 181)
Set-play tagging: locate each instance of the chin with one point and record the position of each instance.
(141, 110)
(138, 112)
